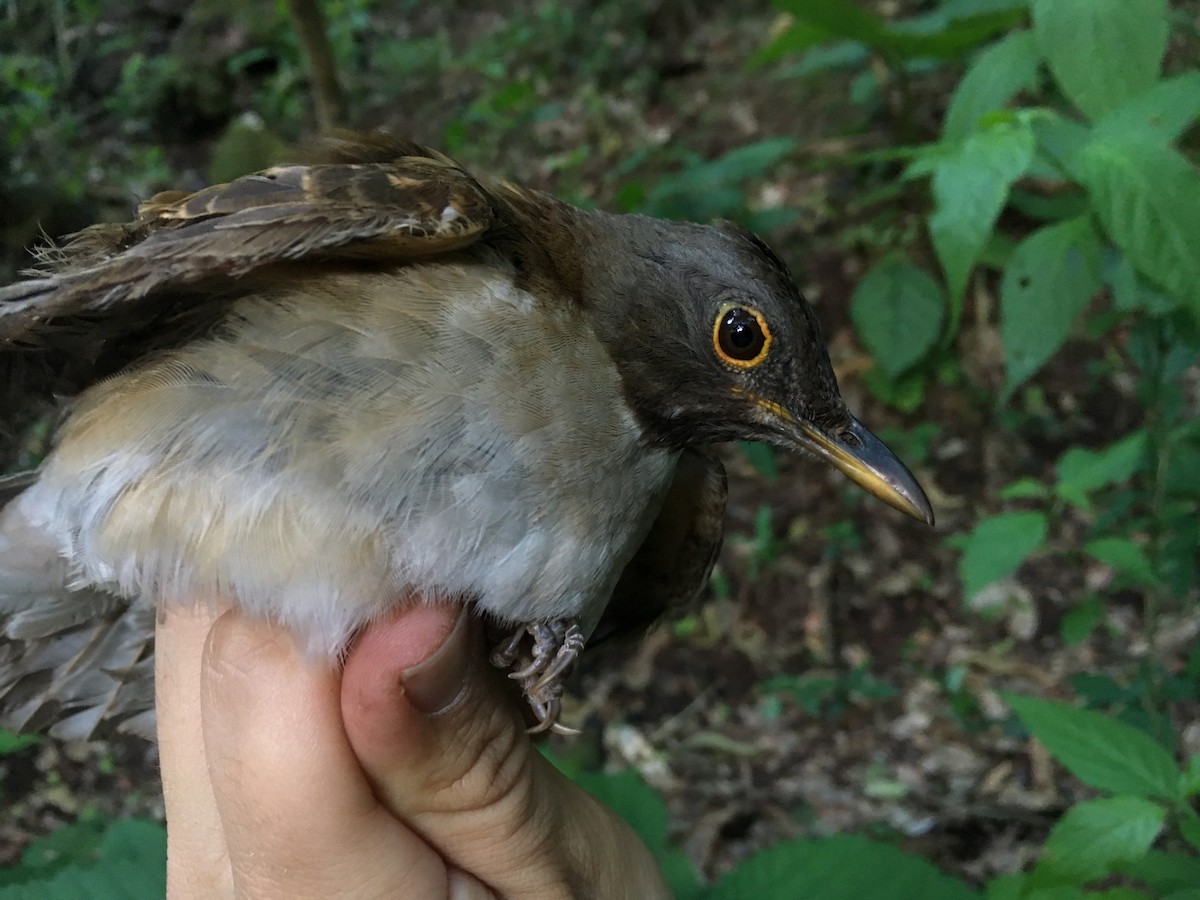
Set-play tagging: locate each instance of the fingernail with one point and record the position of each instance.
(437, 682)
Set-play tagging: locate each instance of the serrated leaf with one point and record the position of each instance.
(1147, 197)
(1047, 284)
(970, 186)
(1099, 750)
(897, 309)
(1082, 471)
(1102, 52)
(1125, 556)
(846, 867)
(997, 547)
(1093, 838)
(995, 76)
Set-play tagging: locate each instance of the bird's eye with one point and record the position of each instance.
(741, 336)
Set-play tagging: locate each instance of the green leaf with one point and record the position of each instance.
(970, 186)
(1081, 621)
(246, 146)
(840, 18)
(1047, 284)
(1164, 872)
(1082, 471)
(998, 546)
(1059, 142)
(128, 863)
(1006, 887)
(1147, 197)
(1189, 827)
(905, 393)
(1102, 52)
(762, 457)
(1191, 777)
(73, 844)
(960, 9)
(1163, 113)
(1124, 555)
(939, 36)
(796, 38)
(1052, 208)
(1100, 751)
(811, 690)
(996, 75)
(1093, 838)
(897, 309)
(846, 867)
(1024, 489)
(710, 189)
(639, 805)
(11, 742)
(1129, 291)
(632, 799)
(1019, 887)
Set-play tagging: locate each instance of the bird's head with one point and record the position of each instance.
(715, 343)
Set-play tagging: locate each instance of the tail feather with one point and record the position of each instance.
(78, 663)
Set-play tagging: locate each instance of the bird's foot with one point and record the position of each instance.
(541, 670)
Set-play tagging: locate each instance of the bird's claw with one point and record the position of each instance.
(543, 668)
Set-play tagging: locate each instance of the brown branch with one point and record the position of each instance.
(318, 55)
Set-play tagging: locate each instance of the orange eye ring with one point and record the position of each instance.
(741, 336)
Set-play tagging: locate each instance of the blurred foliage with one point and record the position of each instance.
(1061, 180)
(1065, 165)
(92, 859)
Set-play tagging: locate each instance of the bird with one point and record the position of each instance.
(329, 387)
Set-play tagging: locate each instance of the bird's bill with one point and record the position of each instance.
(866, 460)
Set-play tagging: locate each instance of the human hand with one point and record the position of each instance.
(408, 773)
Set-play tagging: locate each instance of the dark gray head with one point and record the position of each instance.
(714, 343)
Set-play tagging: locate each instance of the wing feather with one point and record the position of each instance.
(412, 207)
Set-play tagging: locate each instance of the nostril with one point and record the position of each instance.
(850, 438)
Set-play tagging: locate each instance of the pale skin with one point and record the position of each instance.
(407, 773)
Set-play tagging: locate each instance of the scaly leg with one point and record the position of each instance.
(543, 669)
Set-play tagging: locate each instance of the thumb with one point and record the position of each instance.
(440, 734)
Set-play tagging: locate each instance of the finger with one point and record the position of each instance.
(445, 745)
(300, 816)
(197, 857)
